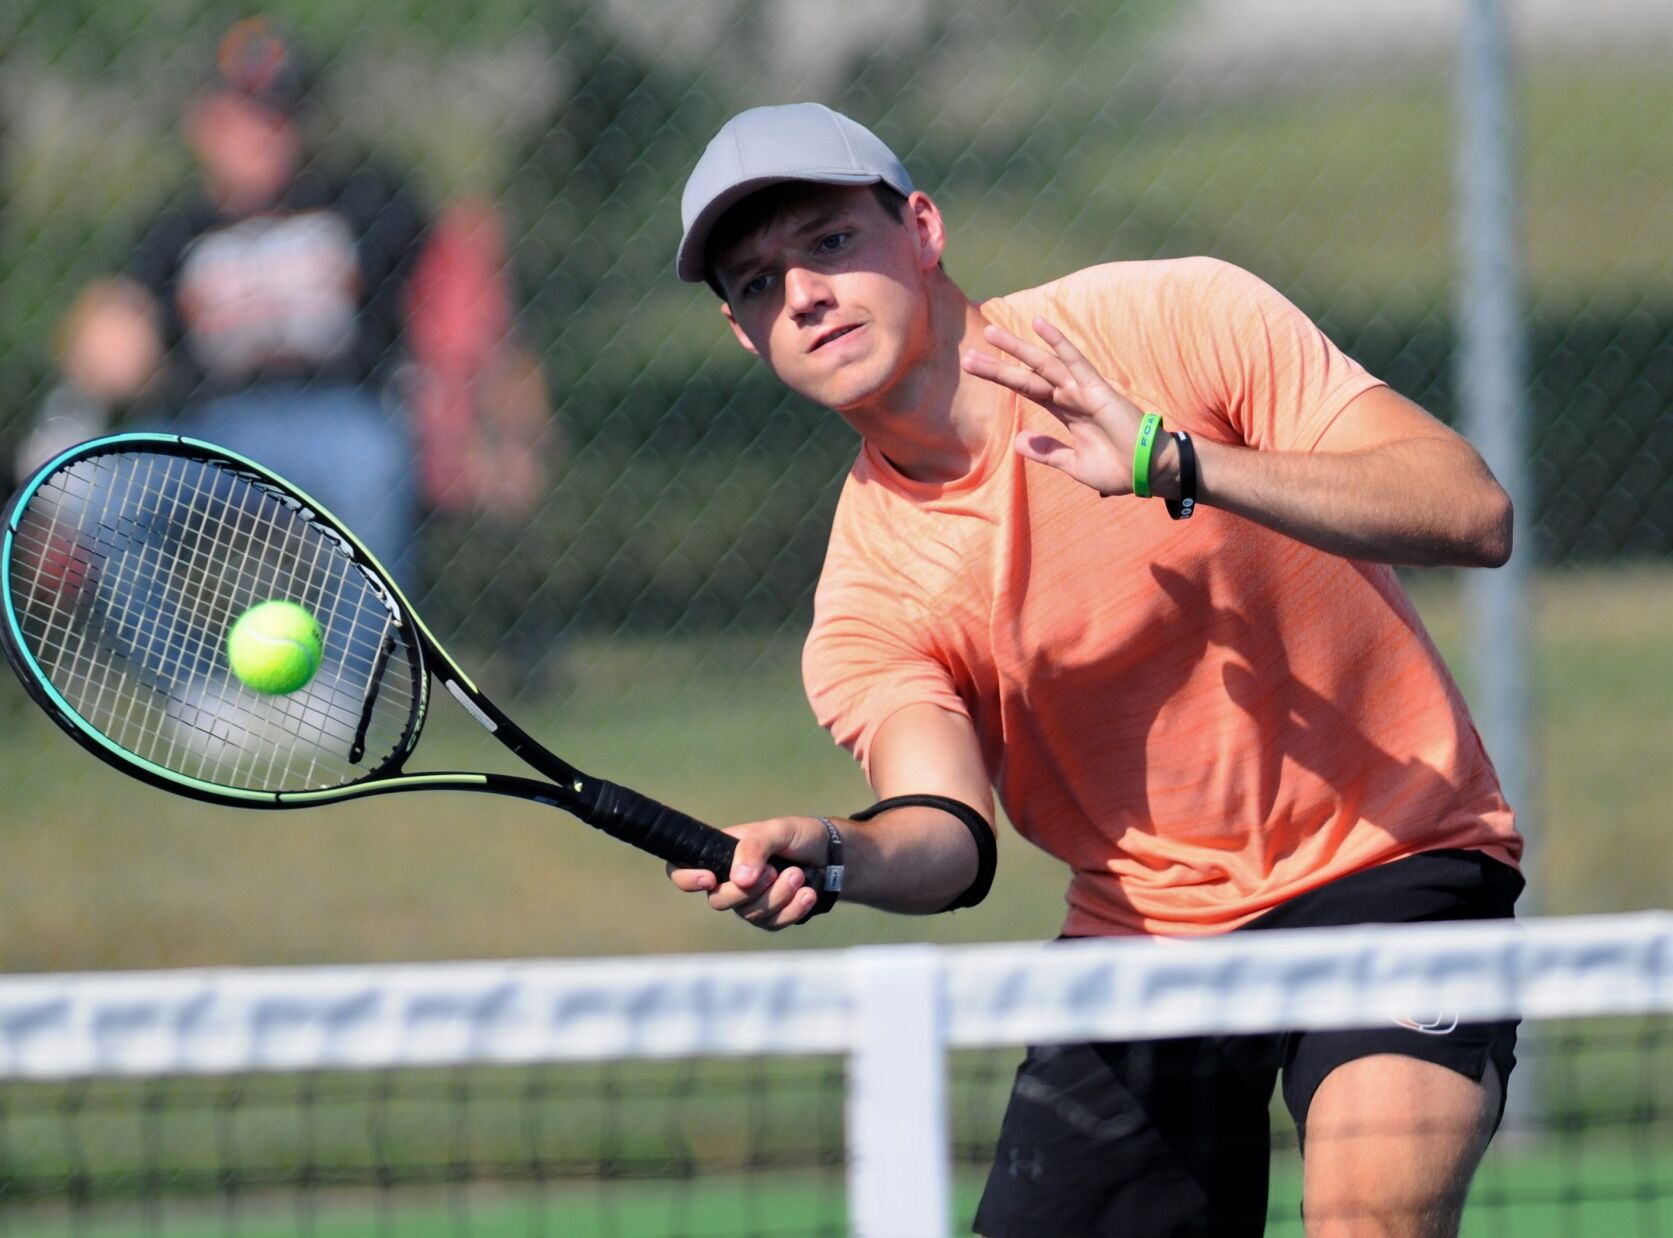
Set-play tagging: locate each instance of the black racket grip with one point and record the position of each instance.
(668, 834)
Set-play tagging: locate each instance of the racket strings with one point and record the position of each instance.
(65, 595)
(129, 569)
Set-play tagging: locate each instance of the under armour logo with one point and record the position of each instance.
(1438, 1024)
(1028, 1163)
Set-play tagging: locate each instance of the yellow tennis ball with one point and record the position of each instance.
(274, 647)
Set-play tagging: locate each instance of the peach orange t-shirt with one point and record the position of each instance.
(1202, 718)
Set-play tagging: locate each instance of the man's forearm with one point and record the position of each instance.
(1427, 501)
(914, 861)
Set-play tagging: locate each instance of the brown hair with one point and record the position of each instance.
(760, 210)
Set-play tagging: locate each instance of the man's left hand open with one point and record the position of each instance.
(1102, 423)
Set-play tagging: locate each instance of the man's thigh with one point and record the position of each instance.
(1392, 1143)
(1436, 1038)
(1394, 1119)
(1144, 1139)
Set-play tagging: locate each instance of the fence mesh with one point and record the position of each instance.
(682, 489)
(607, 480)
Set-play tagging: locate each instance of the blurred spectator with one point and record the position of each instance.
(480, 409)
(479, 401)
(263, 311)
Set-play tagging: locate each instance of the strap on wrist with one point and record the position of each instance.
(1149, 427)
(987, 848)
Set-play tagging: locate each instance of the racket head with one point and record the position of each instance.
(123, 564)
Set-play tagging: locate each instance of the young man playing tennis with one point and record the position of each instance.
(1215, 704)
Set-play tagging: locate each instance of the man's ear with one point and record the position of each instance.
(924, 218)
(726, 309)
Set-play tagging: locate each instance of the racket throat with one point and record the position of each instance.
(594, 800)
(357, 749)
(470, 706)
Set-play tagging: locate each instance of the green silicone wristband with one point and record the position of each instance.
(1148, 429)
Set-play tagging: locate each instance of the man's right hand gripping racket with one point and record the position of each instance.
(126, 560)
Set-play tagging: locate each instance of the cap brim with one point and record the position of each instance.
(691, 262)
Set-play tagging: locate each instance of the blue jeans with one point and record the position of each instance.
(340, 444)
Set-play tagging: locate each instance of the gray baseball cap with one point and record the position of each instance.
(767, 145)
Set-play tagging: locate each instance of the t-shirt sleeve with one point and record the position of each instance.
(869, 654)
(1277, 379)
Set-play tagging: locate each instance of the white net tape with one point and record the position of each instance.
(437, 1014)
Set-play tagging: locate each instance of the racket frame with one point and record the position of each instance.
(616, 810)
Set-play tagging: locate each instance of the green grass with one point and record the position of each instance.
(1518, 1195)
(1603, 713)
(101, 872)
(719, 1208)
(1544, 1192)
(642, 1148)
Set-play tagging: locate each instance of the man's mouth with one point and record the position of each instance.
(837, 334)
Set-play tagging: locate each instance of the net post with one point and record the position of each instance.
(898, 1175)
(1492, 379)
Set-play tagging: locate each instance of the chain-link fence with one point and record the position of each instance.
(597, 462)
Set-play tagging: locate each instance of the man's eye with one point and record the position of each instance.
(833, 242)
(756, 286)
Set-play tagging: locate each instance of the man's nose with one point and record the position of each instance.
(805, 290)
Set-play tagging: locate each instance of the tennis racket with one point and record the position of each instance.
(124, 563)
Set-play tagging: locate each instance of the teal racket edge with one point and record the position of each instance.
(124, 562)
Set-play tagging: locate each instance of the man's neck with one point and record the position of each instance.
(935, 423)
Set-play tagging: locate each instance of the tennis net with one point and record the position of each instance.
(797, 1092)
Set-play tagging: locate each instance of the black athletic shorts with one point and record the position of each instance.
(1171, 1137)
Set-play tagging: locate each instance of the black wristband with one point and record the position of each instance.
(832, 889)
(987, 849)
(1187, 502)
